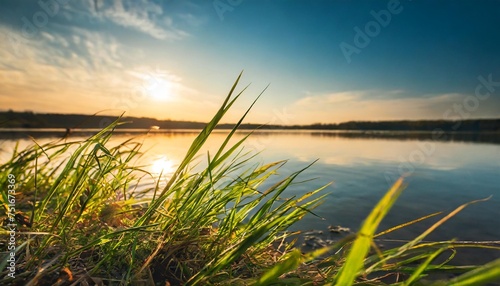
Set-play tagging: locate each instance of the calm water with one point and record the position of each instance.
(440, 177)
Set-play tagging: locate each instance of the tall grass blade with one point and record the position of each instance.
(354, 262)
(482, 275)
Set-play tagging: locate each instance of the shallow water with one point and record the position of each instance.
(440, 176)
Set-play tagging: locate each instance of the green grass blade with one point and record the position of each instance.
(292, 260)
(487, 273)
(361, 246)
(418, 272)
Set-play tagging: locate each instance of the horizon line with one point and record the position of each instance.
(250, 123)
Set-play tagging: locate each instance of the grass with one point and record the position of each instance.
(79, 222)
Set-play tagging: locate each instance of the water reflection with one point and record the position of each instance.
(475, 137)
(162, 166)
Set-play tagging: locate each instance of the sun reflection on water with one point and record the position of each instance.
(163, 165)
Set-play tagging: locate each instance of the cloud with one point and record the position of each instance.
(333, 98)
(53, 71)
(80, 61)
(350, 96)
(143, 16)
(369, 105)
(192, 20)
(149, 78)
(74, 70)
(152, 18)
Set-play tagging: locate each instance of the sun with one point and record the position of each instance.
(158, 88)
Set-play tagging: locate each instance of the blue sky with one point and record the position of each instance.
(177, 59)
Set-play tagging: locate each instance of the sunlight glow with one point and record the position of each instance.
(163, 166)
(158, 88)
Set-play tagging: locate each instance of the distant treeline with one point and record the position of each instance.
(11, 119)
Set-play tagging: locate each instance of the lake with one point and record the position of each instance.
(440, 176)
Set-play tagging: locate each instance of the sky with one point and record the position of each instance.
(324, 61)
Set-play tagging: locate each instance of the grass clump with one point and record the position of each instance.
(79, 222)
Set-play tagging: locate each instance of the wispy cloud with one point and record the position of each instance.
(378, 105)
(87, 71)
(333, 98)
(143, 16)
(54, 69)
(345, 97)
